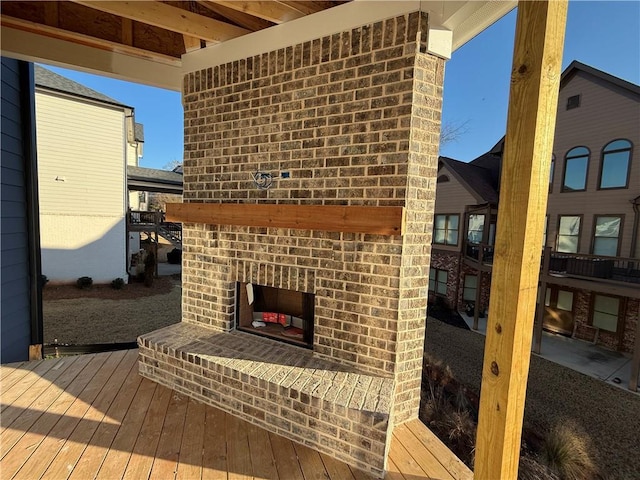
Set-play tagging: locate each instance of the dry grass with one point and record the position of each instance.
(567, 451)
(556, 395)
(109, 316)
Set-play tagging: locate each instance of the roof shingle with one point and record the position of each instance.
(47, 79)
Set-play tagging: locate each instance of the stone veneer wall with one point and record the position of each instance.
(355, 118)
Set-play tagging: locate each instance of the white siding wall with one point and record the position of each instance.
(79, 245)
(132, 154)
(82, 223)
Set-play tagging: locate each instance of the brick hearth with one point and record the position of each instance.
(355, 119)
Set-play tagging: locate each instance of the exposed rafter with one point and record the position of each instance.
(239, 18)
(54, 32)
(272, 11)
(170, 18)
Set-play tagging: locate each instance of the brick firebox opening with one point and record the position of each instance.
(277, 313)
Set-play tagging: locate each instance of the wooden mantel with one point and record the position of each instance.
(328, 218)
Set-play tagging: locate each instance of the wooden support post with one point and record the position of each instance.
(537, 328)
(476, 309)
(533, 102)
(635, 361)
(35, 352)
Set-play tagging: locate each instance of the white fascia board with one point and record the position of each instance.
(61, 53)
(327, 22)
(465, 18)
(475, 17)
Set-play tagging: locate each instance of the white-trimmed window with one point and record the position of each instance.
(606, 235)
(438, 281)
(445, 229)
(605, 312)
(470, 288)
(568, 233)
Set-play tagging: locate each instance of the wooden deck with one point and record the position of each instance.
(93, 416)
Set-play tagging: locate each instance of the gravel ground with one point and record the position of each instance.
(609, 415)
(99, 320)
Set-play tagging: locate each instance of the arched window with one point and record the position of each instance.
(616, 159)
(442, 179)
(575, 170)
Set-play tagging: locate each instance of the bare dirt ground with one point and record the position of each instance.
(102, 314)
(555, 394)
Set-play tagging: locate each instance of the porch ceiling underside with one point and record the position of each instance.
(155, 42)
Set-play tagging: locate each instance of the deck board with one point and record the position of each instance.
(166, 459)
(11, 368)
(93, 416)
(116, 460)
(34, 423)
(29, 386)
(13, 372)
(145, 448)
(98, 447)
(74, 447)
(262, 461)
(52, 445)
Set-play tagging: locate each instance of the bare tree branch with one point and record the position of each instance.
(452, 131)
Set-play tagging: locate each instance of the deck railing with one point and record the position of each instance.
(619, 269)
(140, 217)
(171, 231)
(480, 252)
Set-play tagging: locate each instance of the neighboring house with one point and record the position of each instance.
(591, 287)
(85, 142)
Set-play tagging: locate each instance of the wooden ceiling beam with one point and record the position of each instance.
(191, 43)
(306, 8)
(240, 18)
(81, 39)
(170, 18)
(275, 12)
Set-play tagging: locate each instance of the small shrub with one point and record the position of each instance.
(117, 284)
(43, 280)
(567, 452)
(461, 429)
(84, 282)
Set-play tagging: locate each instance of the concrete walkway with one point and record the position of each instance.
(584, 357)
(166, 269)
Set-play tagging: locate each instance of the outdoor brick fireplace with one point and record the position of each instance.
(354, 119)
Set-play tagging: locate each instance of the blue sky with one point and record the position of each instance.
(605, 35)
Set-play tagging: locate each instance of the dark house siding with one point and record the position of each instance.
(18, 301)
